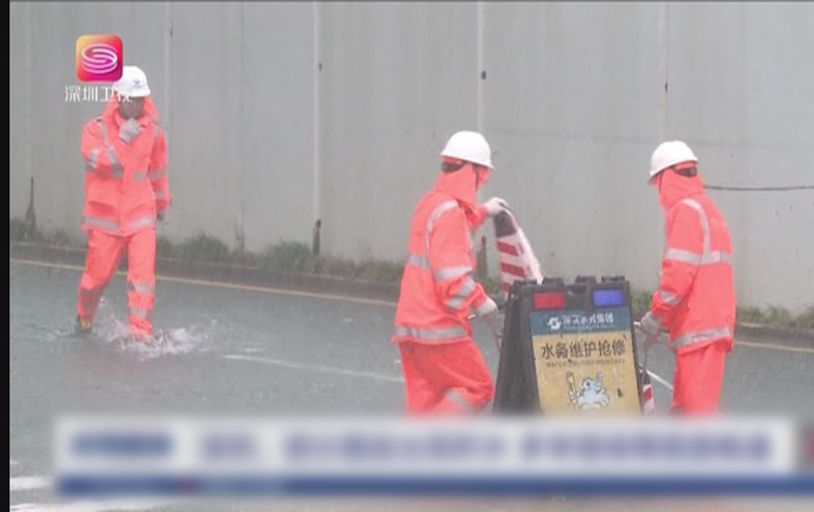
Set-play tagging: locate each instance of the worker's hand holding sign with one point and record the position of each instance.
(489, 314)
(650, 324)
(651, 327)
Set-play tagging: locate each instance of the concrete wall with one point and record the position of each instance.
(279, 114)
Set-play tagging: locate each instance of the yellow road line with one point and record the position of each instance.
(374, 302)
(771, 346)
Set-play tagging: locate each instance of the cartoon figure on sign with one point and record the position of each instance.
(592, 394)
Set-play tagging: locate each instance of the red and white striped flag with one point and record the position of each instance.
(517, 260)
(648, 401)
(648, 398)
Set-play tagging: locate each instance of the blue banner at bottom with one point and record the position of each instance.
(256, 486)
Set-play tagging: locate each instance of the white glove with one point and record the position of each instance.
(129, 130)
(495, 206)
(488, 308)
(489, 314)
(650, 326)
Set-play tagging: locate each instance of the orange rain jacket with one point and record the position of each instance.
(437, 288)
(696, 296)
(126, 185)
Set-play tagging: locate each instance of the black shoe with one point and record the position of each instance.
(83, 327)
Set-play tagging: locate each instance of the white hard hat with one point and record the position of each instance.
(133, 83)
(469, 146)
(668, 154)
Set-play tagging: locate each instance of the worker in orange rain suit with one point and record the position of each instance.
(696, 297)
(444, 370)
(126, 190)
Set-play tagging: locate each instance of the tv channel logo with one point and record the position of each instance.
(99, 58)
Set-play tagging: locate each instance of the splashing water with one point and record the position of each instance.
(165, 342)
(179, 341)
(174, 341)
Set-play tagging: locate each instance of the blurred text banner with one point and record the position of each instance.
(487, 455)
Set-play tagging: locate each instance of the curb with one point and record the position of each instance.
(225, 272)
(792, 336)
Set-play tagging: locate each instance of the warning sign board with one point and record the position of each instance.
(569, 349)
(584, 362)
